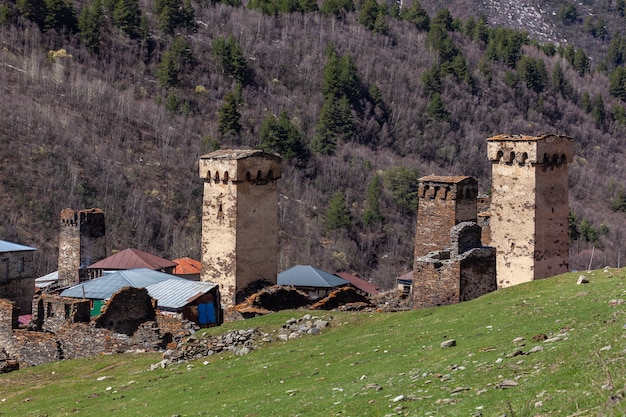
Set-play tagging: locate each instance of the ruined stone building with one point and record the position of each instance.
(450, 265)
(443, 203)
(17, 280)
(82, 241)
(529, 206)
(239, 220)
(461, 272)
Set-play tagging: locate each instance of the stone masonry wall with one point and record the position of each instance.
(529, 210)
(239, 220)
(443, 203)
(464, 271)
(8, 322)
(82, 242)
(17, 282)
(126, 310)
(51, 312)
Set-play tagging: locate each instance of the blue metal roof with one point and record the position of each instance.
(308, 276)
(104, 287)
(13, 247)
(177, 293)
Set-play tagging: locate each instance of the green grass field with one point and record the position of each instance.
(375, 364)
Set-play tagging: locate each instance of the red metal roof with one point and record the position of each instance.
(360, 283)
(187, 266)
(133, 258)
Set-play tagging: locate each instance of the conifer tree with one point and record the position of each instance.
(89, 25)
(278, 134)
(127, 17)
(228, 116)
(417, 15)
(338, 215)
(372, 214)
(230, 58)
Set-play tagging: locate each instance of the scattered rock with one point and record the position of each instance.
(398, 398)
(507, 383)
(539, 337)
(617, 302)
(374, 387)
(448, 343)
(516, 352)
(582, 280)
(239, 342)
(535, 349)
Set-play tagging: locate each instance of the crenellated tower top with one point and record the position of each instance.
(550, 151)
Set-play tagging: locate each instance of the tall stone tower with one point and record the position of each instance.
(82, 241)
(239, 220)
(443, 203)
(529, 206)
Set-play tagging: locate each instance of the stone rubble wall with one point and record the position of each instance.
(240, 342)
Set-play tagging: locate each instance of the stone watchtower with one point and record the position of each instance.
(239, 220)
(529, 206)
(443, 203)
(82, 241)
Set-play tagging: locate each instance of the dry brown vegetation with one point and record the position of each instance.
(98, 130)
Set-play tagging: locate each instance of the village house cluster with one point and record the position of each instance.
(466, 245)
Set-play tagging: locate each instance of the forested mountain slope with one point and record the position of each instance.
(109, 104)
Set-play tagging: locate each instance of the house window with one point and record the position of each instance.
(20, 265)
(4, 270)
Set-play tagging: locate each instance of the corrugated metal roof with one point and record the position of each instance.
(104, 287)
(13, 247)
(308, 276)
(177, 293)
(47, 279)
(133, 258)
(360, 283)
(187, 266)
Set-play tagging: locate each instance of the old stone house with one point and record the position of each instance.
(175, 296)
(17, 280)
(451, 264)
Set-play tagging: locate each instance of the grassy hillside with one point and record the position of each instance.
(376, 364)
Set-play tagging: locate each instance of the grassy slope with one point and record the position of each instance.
(328, 374)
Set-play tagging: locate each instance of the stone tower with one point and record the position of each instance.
(239, 220)
(443, 203)
(529, 206)
(82, 241)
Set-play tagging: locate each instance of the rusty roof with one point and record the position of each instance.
(359, 283)
(187, 266)
(133, 258)
(446, 179)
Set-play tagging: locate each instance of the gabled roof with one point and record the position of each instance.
(133, 258)
(359, 283)
(13, 247)
(104, 287)
(187, 266)
(177, 293)
(307, 276)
